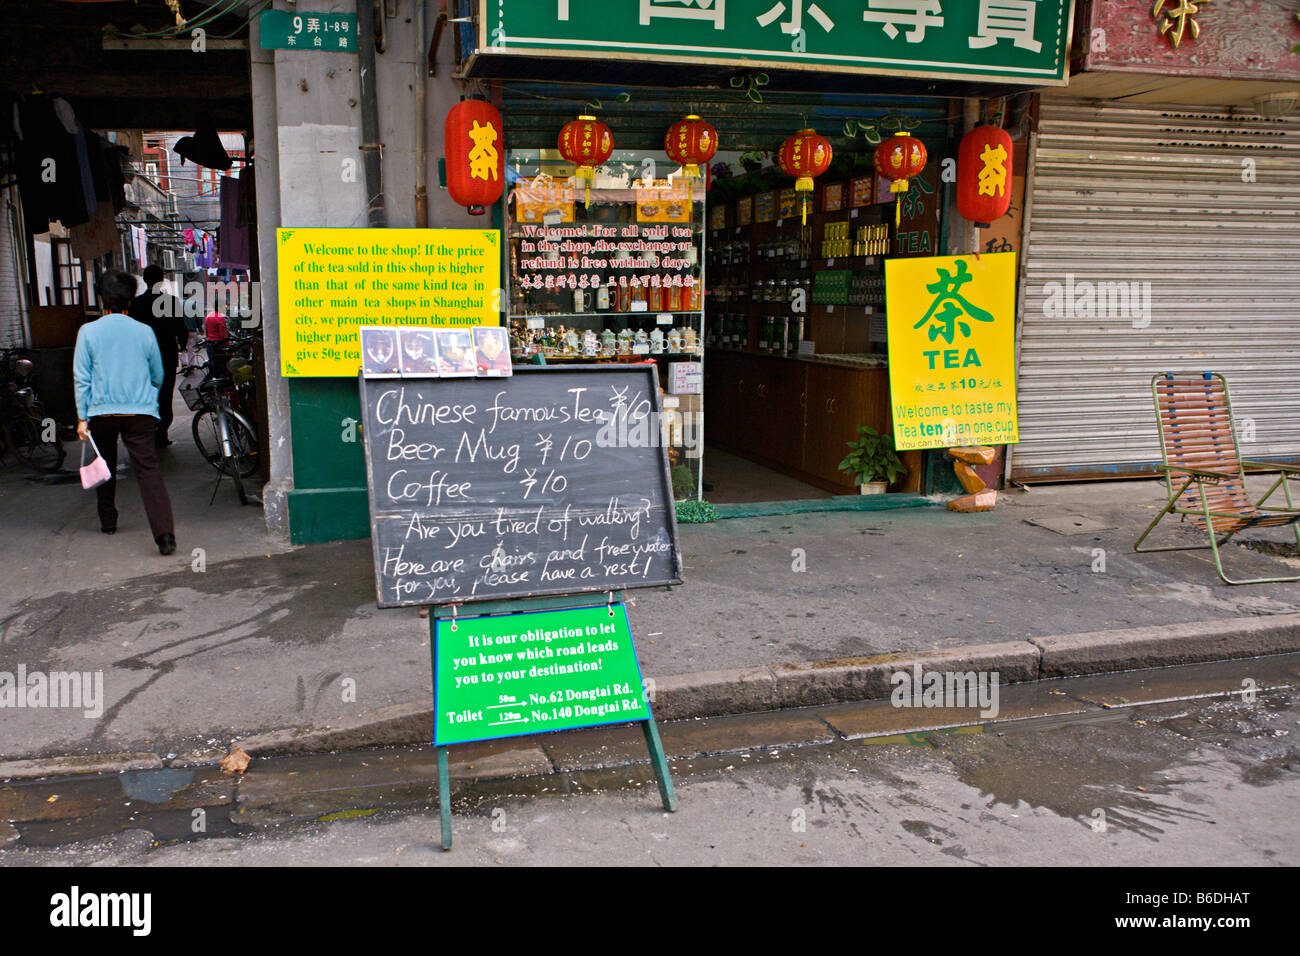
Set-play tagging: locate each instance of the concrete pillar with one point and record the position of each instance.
(266, 167)
(307, 125)
(963, 236)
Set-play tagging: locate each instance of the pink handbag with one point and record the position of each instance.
(96, 473)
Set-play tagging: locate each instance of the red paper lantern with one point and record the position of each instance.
(984, 174)
(900, 159)
(691, 143)
(476, 158)
(586, 143)
(805, 155)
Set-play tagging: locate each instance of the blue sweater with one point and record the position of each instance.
(116, 368)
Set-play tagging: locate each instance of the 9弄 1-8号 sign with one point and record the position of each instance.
(300, 30)
(1010, 41)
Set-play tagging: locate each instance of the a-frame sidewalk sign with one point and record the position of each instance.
(520, 510)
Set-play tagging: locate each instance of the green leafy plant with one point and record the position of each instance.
(872, 458)
(684, 483)
(594, 104)
(869, 131)
(892, 122)
(696, 512)
(751, 83)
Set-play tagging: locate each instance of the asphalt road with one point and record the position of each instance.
(1133, 778)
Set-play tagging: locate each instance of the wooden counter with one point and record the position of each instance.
(792, 415)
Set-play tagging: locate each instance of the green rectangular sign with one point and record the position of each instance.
(300, 30)
(1014, 41)
(513, 674)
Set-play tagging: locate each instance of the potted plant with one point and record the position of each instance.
(872, 462)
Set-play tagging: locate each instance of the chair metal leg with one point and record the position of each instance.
(1295, 528)
(1218, 559)
(1137, 545)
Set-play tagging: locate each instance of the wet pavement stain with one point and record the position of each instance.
(155, 786)
(1127, 772)
(305, 596)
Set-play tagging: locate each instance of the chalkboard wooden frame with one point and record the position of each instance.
(660, 477)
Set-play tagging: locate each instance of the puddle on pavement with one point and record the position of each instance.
(1123, 770)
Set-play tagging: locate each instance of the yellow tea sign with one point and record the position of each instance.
(332, 281)
(952, 350)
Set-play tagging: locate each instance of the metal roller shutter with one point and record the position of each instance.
(1160, 200)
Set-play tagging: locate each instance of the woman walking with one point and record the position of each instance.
(116, 370)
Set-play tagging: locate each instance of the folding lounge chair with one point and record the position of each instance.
(1205, 477)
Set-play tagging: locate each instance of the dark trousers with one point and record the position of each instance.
(166, 391)
(137, 433)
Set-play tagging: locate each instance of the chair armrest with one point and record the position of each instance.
(1271, 466)
(1204, 474)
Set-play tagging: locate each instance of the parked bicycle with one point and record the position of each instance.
(25, 429)
(225, 408)
(225, 438)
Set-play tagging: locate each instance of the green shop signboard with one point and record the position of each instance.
(514, 674)
(300, 30)
(1013, 41)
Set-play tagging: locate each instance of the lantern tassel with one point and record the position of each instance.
(803, 207)
(898, 213)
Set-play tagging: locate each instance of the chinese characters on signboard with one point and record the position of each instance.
(1007, 39)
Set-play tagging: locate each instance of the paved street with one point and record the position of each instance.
(1143, 768)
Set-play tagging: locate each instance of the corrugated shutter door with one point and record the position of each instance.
(1192, 219)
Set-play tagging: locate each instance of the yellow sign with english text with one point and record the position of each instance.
(952, 371)
(332, 281)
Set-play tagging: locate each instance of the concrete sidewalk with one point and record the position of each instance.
(259, 636)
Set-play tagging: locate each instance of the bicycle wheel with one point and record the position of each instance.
(243, 439)
(232, 469)
(206, 428)
(25, 438)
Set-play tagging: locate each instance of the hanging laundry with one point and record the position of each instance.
(97, 237)
(53, 163)
(232, 251)
(140, 245)
(247, 214)
(204, 246)
(204, 148)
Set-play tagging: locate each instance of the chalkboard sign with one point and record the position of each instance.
(554, 481)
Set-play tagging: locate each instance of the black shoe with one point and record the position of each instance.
(108, 530)
(166, 543)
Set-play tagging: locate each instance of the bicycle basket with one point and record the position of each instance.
(241, 372)
(191, 395)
